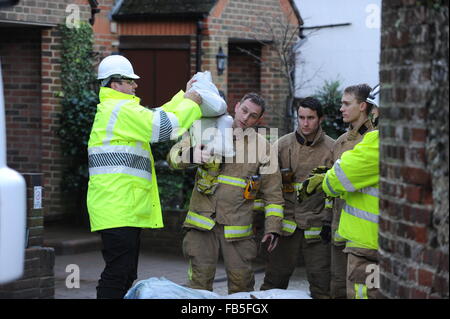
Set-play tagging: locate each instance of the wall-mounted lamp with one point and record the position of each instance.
(221, 59)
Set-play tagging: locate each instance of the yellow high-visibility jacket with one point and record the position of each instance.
(122, 190)
(355, 178)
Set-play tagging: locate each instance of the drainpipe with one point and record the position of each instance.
(94, 10)
(198, 54)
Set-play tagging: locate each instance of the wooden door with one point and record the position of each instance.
(163, 73)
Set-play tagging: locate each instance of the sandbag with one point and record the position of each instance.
(216, 133)
(212, 103)
(162, 288)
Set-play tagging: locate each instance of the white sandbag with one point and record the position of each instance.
(212, 103)
(223, 143)
(216, 133)
(162, 288)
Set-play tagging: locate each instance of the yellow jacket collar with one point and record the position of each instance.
(108, 93)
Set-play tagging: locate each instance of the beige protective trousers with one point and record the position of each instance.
(338, 272)
(283, 259)
(362, 277)
(202, 248)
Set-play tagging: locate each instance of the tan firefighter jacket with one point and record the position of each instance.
(227, 205)
(345, 142)
(302, 157)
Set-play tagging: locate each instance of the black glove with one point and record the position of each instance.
(325, 234)
(309, 187)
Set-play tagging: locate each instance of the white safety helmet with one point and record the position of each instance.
(115, 64)
(374, 96)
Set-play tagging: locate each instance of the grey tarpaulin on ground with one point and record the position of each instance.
(161, 288)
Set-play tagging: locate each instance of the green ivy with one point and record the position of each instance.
(330, 96)
(175, 186)
(79, 103)
(433, 4)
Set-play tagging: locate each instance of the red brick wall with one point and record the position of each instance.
(414, 151)
(21, 64)
(243, 76)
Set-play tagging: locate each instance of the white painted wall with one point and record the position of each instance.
(350, 54)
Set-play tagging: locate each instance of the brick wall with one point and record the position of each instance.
(38, 279)
(21, 65)
(414, 150)
(243, 74)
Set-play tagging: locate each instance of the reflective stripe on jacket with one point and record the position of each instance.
(346, 142)
(122, 187)
(355, 178)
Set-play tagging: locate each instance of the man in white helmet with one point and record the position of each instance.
(123, 193)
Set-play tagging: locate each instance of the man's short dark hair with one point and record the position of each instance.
(310, 103)
(257, 99)
(361, 93)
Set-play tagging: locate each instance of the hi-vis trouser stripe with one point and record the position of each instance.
(233, 181)
(200, 221)
(328, 202)
(288, 226)
(258, 205)
(164, 125)
(232, 232)
(189, 272)
(361, 291)
(119, 159)
(371, 217)
(297, 186)
(313, 233)
(274, 210)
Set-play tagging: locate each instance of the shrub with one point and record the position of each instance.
(79, 103)
(330, 96)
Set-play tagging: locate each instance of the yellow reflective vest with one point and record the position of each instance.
(123, 190)
(355, 178)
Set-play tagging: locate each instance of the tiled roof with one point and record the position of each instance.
(145, 9)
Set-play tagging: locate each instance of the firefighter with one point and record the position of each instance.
(123, 193)
(356, 109)
(220, 217)
(307, 225)
(355, 178)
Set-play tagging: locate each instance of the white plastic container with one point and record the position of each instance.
(12, 210)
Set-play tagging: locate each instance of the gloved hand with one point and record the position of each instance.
(273, 241)
(319, 170)
(310, 186)
(202, 154)
(325, 234)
